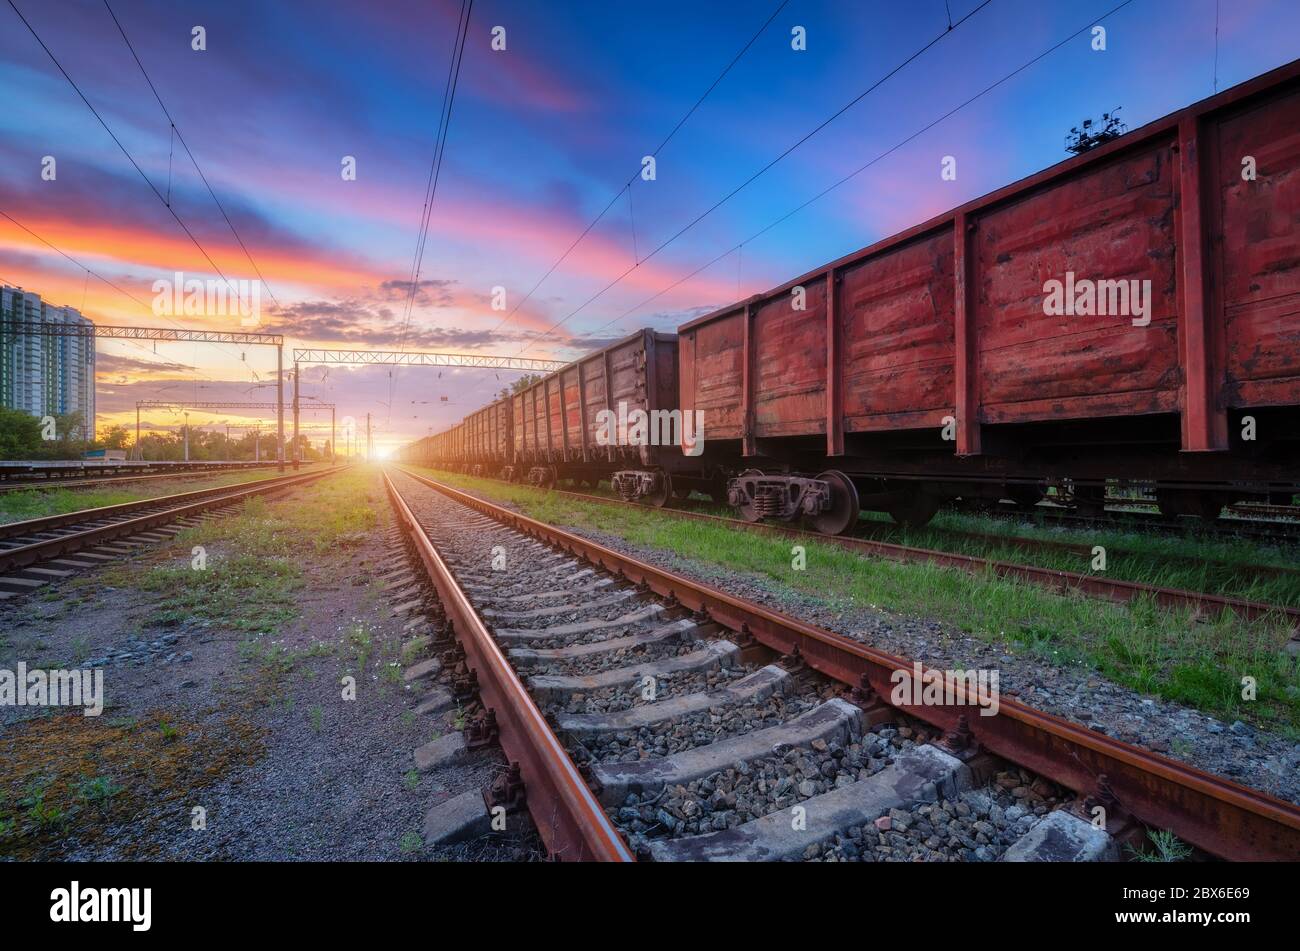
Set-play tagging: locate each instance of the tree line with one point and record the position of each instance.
(22, 436)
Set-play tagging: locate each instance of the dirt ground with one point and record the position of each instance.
(226, 733)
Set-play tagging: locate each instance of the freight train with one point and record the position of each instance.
(1128, 318)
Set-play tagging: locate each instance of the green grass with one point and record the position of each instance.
(1196, 561)
(36, 502)
(363, 644)
(98, 790)
(255, 568)
(1167, 848)
(1141, 645)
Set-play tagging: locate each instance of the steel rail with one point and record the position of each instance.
(1117, 520)
(44, 484)
(45, 523)
(177, 506)
(36, 472)
(569, 819)
(873, 530)
(1224, 818)
(1112, 589)
(1082, 549)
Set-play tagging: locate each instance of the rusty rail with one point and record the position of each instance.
(568, 817)
(1222, 817)
(112, 480)
(46, 522)
(158, 511)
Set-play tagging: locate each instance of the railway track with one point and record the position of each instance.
(41, 484)
(1273, 531)
(38, 551)
(1083, 550)
(1112, 589)
(644, 713)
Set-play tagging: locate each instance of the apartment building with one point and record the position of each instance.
(41, 373)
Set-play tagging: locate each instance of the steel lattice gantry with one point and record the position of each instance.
(417, 358)
(119, 332)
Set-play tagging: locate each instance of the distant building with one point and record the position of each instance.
(45, 374)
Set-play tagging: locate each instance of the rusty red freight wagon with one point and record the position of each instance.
(488, 442)
(1130, 315)
(581, 423)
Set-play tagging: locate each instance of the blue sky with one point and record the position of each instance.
(542, 136)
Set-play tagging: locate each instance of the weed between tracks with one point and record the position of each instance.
(253, 573)
(1195, 562)
(70, 781)
(1170, 654)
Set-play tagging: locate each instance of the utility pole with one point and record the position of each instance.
(279, 402)
(367, 437)
(257, 445)
(297, 450)
(333, 448)
(139, 452)
(187, 437)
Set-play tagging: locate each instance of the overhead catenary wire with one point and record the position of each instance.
(176, 132)
(426, 211)
(756, 175)
(435, 172)
(862, 168)
(627, 186)
(136, 165)
(97, 276)
(88, 270)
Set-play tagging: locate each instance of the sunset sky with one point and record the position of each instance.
(542, 136)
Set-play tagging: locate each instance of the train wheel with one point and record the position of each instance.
(1090, 499)
(916, 511)
(1026, 496)
(1203, 505)
(662, 493)
(843, 513)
